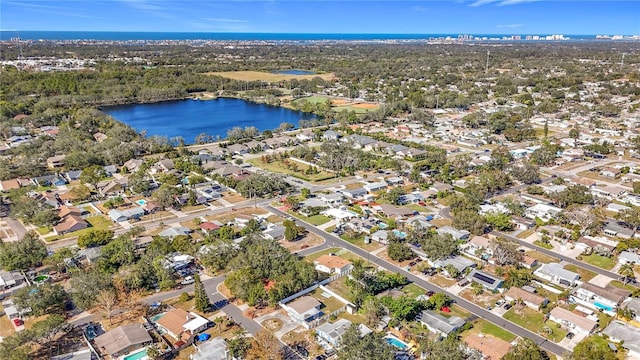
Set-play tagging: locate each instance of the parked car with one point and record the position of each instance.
(507, 306)
(570, 335)
(500, 302)
(18, 322)
(430, 293)
(188, 280)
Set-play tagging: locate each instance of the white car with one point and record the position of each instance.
(188, 280)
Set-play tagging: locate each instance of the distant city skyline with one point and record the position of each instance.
(349, 17)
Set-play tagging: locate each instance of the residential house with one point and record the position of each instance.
(628, 257)
(459, 262)
(592, 245)
(122, 340)
(175, 231)
(162, 166)
(49, 180)
(542, 211)
(381, 236)
(420, 222)
(332, 264)
(237, 149)
(12, 311)
(626, 334)
(332, 199)
(616, 208)
(375, 186)
(70, 223)
(488, 281)
(89, 255)
(112, 187)
(133, 165)
(100, 137)
(528, 262)
(436, 323)
(274, 232)
(49, 198)
(56, 161)
(530, 299)
(359, 141)
(441, 187)
(73, 175)
(125, 215)
(478, 246)
(7, 185)
(354, 194)
(332, 332)
(209, 227)
(599, 298)
(556, 274)
(303, 310)
(330, 135)
(571, 321)
(613, 229)
(610, 172)
(455, 233)
(213, 349)
(142, 242)
(394, 212)
(632, 304)
(182, 325)
(9, 279)
(305, 136)
(109, 170)
(341, 214)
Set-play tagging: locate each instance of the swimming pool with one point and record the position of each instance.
(396, 342)
(400, 234)
(136, 356)
(602, 306)
(141, 202)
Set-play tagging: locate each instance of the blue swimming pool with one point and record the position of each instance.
(396, 342)
(141, 202)
(136, 356)
(400, 234)
(602, 306)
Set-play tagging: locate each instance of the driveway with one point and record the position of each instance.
(287, 324)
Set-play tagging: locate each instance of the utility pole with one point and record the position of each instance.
(486, 67)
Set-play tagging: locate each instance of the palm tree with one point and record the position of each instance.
(626, 270)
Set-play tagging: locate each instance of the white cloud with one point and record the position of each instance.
(500, 2)
(510, 26)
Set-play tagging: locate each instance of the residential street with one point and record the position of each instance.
(473, 308)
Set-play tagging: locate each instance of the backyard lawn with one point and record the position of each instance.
(599, 261)
(317, 219)
(413, 290)
(481, 326)
(279, 167)
(543, 258)
(585, 275)
(534, 321)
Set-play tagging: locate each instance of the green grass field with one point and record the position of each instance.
(481, 326)
(599, 261)
(317, 219)
(278, 167)
(585, 275)
(534, 321)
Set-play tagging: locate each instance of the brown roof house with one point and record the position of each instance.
(122, 340)
(71, 220)
(182, 325)
(532, 300)
(69, 224)
(571, 321)
(56, 161)
(332, 264)
(303, 310)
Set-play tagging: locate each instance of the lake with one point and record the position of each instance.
(294, 72)
(190, 118)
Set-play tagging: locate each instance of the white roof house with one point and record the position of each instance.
(555, 273)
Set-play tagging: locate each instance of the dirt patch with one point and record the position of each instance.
(365, 106)
(338, 102)
(306, 242)
(272, 325)
(265, 76)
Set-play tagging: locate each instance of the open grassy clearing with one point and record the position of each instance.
(585, 275)
(279, 167)
(534, 321)
(599, 261)
(266, 76)
(543, 258)
(481, 326)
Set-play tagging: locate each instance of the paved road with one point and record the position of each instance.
(567, 259)
(473, 308)
(18, 229)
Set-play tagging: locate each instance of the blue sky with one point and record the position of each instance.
(320, 16)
